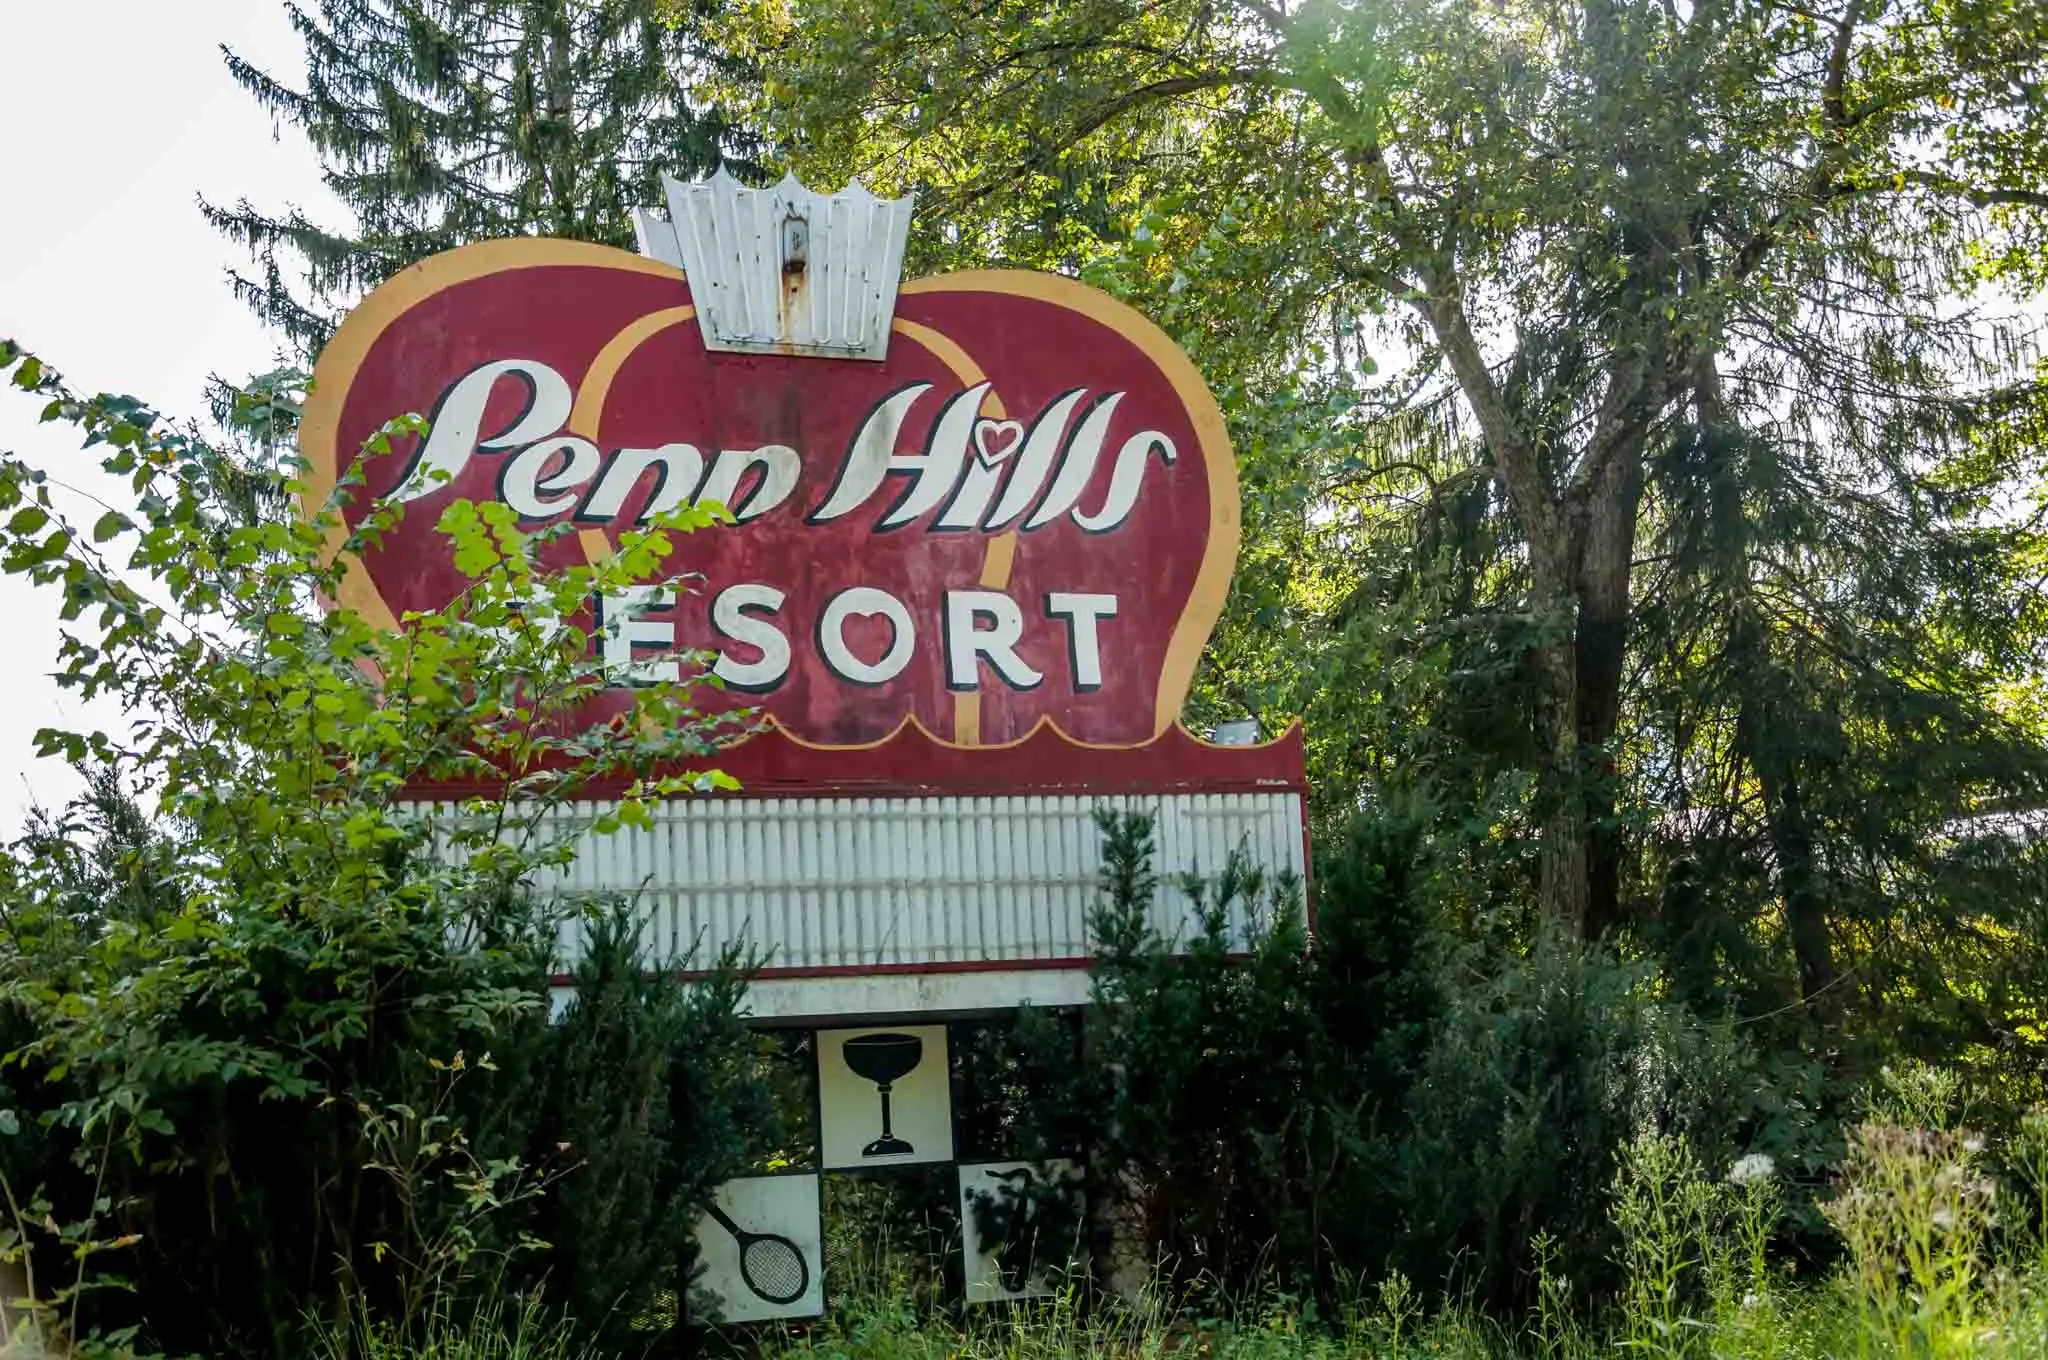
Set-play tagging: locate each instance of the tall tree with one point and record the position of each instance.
(440, 122)
(1602, 231)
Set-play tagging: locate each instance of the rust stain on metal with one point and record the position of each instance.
(796, 277)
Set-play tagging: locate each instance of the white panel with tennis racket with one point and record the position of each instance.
(761, 1243)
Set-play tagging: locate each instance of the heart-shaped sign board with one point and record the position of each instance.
(1027, 513)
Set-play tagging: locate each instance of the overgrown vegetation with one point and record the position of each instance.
(1275, 1113)
(445, 123)
(1691, 1246)
(1641, 410)
(1939, 1242)
(273, 1033)
(1640, 422)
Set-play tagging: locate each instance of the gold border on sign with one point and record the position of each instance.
(319, 430)
(335, 372)
(1219, 555)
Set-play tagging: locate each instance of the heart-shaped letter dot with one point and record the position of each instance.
(995, 440)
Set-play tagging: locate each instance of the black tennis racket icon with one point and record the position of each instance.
(772, 1267)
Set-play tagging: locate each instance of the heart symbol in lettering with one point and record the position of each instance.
(995, 440)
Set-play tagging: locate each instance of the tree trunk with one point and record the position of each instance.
(1560, 793)
(560, 168)
(1762, 736)
(1799, 881)
(1553, 540)
(1606, 563)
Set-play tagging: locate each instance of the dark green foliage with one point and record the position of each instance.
(892, 1237)
(273, 1045)
(1377, 983)
(312, 1096)
(1207, 1066)
(1023, 1091)
(111, 864)
(1018, 1089)
(1032, 1221)
(1316, 1112)
(351, 1111)
(444, 123)
(1641, 465)
(653, 1095)
(1539, 1072)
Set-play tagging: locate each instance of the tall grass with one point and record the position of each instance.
(498, 1331)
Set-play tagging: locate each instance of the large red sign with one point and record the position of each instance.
(1028, 512)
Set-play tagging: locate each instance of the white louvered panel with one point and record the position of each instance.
(729, 240)
(881, 882)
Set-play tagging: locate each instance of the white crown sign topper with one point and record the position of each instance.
(785, 270)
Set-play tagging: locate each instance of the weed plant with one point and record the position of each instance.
(1944, 1255)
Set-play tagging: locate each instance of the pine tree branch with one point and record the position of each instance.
(1976, 195)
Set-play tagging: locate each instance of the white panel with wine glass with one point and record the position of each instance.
(884, 1097)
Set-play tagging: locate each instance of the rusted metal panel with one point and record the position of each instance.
(785, 270)
(830, 885)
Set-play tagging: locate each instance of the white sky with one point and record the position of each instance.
(120, 114)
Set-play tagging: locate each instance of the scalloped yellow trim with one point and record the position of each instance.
(1045, 722)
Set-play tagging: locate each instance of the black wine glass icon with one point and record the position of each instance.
(885, 1059)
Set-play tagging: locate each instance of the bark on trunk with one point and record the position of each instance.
(1605, 573)
(1554, 544)
(1799, 881)
(1562, 848)
(1761, 732)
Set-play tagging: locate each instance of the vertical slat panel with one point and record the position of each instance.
(1024, 867)
(980, 872)
(802, 814)
(958, 942)
(902, 934)
(1012, 862)
(658, 893)
(703, 905)
(719, 878)
(1042, 816)
(845, 892)
(1171, 916)
(881, 881)
(995, 874)
(920, 870)
(1074, 897)
(779, 879)
(861, 870)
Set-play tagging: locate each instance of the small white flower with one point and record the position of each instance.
(1944, 1218)
(1973, 1146)
(1753, 1169)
